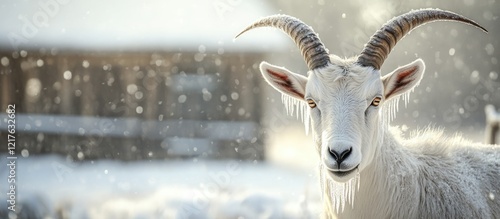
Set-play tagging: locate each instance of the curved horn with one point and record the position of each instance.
(313, 50)
(382, 42)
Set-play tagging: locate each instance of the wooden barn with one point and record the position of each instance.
(127, 80)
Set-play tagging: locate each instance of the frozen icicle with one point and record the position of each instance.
(343, 196)
(349, 192)
(322, 181)
(296, 106)
(397, 106)
(283, 100)
(307, 119)
(358, 178)
(392, 108)
(336, 195)
(406, 98)
(341, 193)
(352, 193)
(302, 111)
(300, 108)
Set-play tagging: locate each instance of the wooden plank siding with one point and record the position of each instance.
(151, 88)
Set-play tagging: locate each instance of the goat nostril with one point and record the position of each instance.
(340, 157)
(345, 154)
(334, 154)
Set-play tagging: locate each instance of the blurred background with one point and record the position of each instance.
(149, 109)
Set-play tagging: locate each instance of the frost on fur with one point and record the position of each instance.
(299, 107)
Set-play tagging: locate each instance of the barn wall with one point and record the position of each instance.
(182, 91)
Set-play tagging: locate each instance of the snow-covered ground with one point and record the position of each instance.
(286, 186)
(53, 187)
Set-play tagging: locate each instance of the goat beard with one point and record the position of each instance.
(339, 193)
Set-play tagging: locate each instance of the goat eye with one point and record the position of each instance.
(311, 103)
(376, 101)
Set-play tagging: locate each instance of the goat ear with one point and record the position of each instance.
(284, 81)
(403, 79)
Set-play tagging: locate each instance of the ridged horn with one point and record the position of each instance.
(381, 43)
(313, 50)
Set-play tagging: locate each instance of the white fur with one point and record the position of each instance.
(425, 176)
(428, 176)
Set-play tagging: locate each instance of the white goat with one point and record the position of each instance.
(427, 176)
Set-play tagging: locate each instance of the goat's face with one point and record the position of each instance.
(345, 102)
(346, 96)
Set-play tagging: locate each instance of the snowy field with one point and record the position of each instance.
(51, 187)
(286, 186)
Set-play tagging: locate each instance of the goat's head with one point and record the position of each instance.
(345, 96)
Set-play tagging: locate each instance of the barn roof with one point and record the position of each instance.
(183, 25)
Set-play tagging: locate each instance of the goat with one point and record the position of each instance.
(349, 106)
